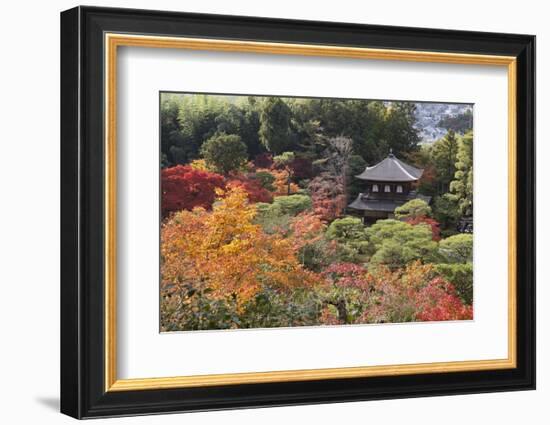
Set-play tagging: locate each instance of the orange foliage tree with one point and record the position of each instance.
(227, 253)
(281, 185)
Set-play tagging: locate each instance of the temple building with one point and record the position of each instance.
(388, 185)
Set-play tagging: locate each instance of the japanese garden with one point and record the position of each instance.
(283, 212)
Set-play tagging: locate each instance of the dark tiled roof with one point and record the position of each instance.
(391, 169)
(374, 204)
(368, 203)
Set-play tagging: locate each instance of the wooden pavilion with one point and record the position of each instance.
(388, 185)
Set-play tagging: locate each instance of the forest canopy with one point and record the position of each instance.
(277, 124)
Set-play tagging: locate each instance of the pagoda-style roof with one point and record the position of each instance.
(366, 202)
(391, 169)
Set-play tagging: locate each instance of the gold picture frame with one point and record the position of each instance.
(113, 41)
(91, 41)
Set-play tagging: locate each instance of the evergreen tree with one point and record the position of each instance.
(462, 185)
(444, 155)
(400, 133)
(275, 133)
(224, 152)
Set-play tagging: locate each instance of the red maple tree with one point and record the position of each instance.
(253, 188)
(438, 301)
(263, 160)
(434, 225)
(184, 188)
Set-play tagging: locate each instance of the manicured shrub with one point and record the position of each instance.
(395, 243)
(457, 248)
(292, 204)
(413, 209)
(347, 229)
(350, 233)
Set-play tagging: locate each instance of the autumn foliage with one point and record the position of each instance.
(328, 197)
(184, 188)
(302, 168)
(438, 301)
(434, 225)
(252, 187)
(282, 184)
(269, 243)
(224, 252)
(224, 267)
(413, 293)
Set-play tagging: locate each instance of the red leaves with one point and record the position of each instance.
(252, 187)
(263, 160)
(328, 197)
(300, 168)
(307, 228)
(434, 225)
(347, 275)
(438, 301)
(184, 188)
(415, 293)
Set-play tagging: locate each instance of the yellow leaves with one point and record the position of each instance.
(199, 164)
(226, 252)
(281, 183)
(413, 276)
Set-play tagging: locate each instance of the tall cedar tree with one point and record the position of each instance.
(275, 132)
(444, 156)
(463, 184)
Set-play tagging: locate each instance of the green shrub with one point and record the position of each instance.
(318, 255)
(271, 219)
(266, 179)
(275, 217)
(271, 308)
(412, 209)
(291, 204)
(395, 243)
(457, 248)
(350, 233)
(346, 229)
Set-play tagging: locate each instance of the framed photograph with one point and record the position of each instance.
(261, 212)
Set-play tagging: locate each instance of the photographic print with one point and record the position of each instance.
(289, 211)
(312, 210)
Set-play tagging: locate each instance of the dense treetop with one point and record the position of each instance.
(277, 125)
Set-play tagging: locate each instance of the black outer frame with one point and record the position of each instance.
(82, 203)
